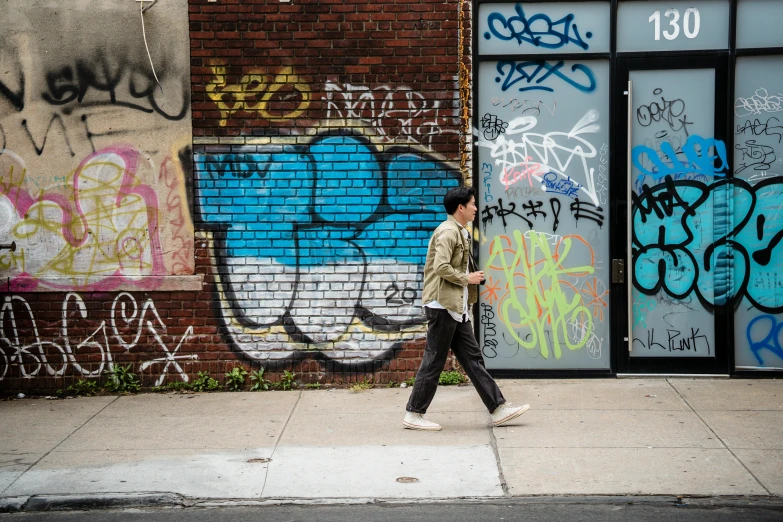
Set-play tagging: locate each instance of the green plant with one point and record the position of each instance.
(258, 380)
(361, 386)
(392, 384)
(82, 388)
(313, 385)
(178, 386)
(410, 380)
(203, 382)
(286, 381)
(448, 378)
(235, 379)
(158, 389)
(122, 380)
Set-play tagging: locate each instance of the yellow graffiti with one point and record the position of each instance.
(536, 297)
(11, 183)
(244, 96)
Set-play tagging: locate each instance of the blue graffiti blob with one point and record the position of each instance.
(769, 338)
(259, 198)
(538, 30)
(720, 242)
(699, 160)
(334, 201)
(540, 71)
(684, 240)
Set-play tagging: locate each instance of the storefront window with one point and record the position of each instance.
(543, 157)
(758, 169)
(543, 187)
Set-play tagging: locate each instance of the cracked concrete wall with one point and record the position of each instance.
(95, 154)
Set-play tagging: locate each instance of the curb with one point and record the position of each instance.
(12, 504)
(37, 503)
(87, 502)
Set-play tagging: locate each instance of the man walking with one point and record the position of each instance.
(449, 290)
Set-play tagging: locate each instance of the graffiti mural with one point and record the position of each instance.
(540, 299)
(95, 175)
(538, 30)
(320, 248)
(677, 253)
(543, 28)
(702, 239)
(543, 194)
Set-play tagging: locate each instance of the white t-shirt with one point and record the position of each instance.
(464, 315)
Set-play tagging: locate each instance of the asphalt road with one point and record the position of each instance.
(539, 510)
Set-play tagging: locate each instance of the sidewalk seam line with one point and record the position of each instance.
(493, 443)
(34, 464)
(282, 433)
(720, 439)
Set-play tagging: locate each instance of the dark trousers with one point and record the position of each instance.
(443, 332)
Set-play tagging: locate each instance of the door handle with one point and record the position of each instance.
(618, 271)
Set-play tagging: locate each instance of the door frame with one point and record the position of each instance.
(722, 363)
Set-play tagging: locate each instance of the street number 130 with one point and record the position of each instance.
(690, 23)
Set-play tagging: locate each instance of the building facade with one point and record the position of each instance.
(583, 107)
(253, 183)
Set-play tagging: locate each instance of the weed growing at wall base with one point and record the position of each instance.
(235, 379)
(361, 386)
(81, 388)
(122, 380)
(286, 382)
(178, 386)
(203, 382)
(258, 380)
(449, 378)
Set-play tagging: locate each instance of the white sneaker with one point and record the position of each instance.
(506, 412)
(416, 421)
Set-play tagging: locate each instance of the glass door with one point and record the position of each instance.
(676, 164)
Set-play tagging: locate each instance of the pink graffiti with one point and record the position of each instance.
(525, 171)
(96, 233)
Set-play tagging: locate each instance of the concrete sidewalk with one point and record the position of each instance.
(691, 437)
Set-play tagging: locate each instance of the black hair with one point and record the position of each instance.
(456, 197)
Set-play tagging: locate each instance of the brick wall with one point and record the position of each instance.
(325, 133)
(388, 69)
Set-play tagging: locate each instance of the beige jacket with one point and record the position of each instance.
(444, 270)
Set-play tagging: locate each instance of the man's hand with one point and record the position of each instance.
(475, 278)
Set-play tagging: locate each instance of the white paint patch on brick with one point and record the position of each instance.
(325, 303)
